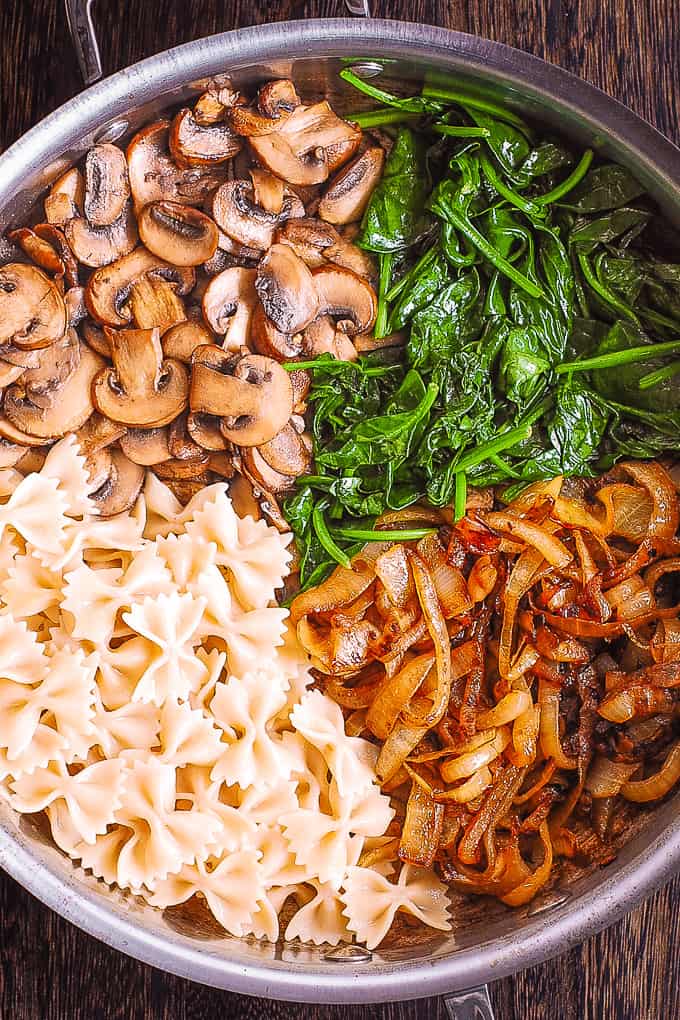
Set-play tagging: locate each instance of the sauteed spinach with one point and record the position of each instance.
(539, 298)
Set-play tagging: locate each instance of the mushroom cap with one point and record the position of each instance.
(213, 104)
(107, 187)
(235, 212)
(175, 470)
(263, 475)
(277, 98)
(348, 194)
(243, 498)
(266, 339)
(286, 289)
(108, 289)
(16, 356)
(122, 486)
(65, 198)
(289, 453)
(178, 233)
(11, 453)
(346, 296)
(98, 246)
(251, 394)
(9, 373)
(57, 364)
(324, 337)
(318, 243)
(15, 435)
(180, 443)
(154, 176)
(76, 312)
(55, 237)
(308, 145)
(39, 250)
(195, 144)
(227, 294)
(146, 446)
(97, 433)
(141, 388)
(68, 407)
(154, 302)
(182, 339)
(205, 431)
(32, 311)
(268, 190)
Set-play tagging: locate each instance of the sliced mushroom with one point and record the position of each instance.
(16, 356)
(309, 145)
(184, 489)
(178, 233)
(286, 289)
(318, 243)
(228, 305)
(266, 339)
(122, 486)
(107, 187)
(154, 302)
(182, 339)
(262, 474)
(213, 105)
(301, 382)
(181, 470)
(268, 190)
(205, 430)
(58, 363)
(141, 388)
(98, 466)
(276, 101)
(155, 177)
(146, 446)
(32, 460)
(180, 443)
(96, 338)
(97, 433)
(235, 212)
(69, 406)
(348, 194)
(222, 464)
(39, 250)
(195, 144)
(11, 453)
(243, 498)
(323, 337)
(9, 373)
(109, 288)
(10, 432)
(289, 452)
(100, 246)
(32, 311)
(347, 297)
(76, 312)
(65, 198)
(251, 394)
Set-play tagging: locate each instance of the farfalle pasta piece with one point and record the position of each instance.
(351, 760)
(164, 512)
(22, 657)
(20, 711)
(121, 669)
(214, 662)
(170, 623)
(162, 838)
(265, 805)
(146, 576)
(254, 553)
(67, 695)
(372, 901)
(90, 797)
(237, 828)
(46, 745)
(133, 725)
(320, 920)
(9, 479)
(249, 637)
(66, 465)
(37, 511)
(30, 587)
(232, 888)
(101, 857)
(242, 708)
(93, 598)
(187, 736)
(11, 546)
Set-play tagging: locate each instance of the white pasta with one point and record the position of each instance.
(155, 705)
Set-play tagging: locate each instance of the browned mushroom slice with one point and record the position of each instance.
(318, 243)
(98, 466)
(347, 297)
(58, 362)
(301, 382)
(199, 144)
(324, 337)
(365, 343)
(180, 443)
(286, 289)
(19, 356)
(76, 312)
(11, 453)
(155, 177)
(141, 388)
(40, 251)
(107, 187)
(348, 194)
(288, 452)
(178, 233)
(69, 407)
(213, 105)
(154, 302)
(221, 464)
(10, 432)
(268, 190)
(251, 394)
(276, 100)
(97, 433)
(184, 489)
(309, 145)
(146, 446)
(122, 487)
(228, 305)
(33, 460)
(181, 470)
(266, 339)
(182, 339)
(205, 430)
(262, 474)
(9, 373)
(32, 311)
(55, 237)
(243, 498)
(95, 337)
(236, 213)
(65, 198)
(108, 289)
(100, 246)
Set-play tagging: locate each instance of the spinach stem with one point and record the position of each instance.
(660, 375)
(369, 372)
(503, 466)
(603, 292)
(325, 537)
(412, 104)
(487, 249)
(376, 535)
(386, 262)
(658, 319)
(460, 496)
(456, 131)
(525, 205)
(615, 358)
(502, 442)
(424, 260)
(383, 115)
(474, 102)
(570, 182)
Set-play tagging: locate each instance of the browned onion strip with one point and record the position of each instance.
(521, 578)
(665, 515)
(430, 714)
(628, 510)
(606, 777)
(539, 538)
(580, 627)
(657, 785)
(392, 570)
(497, 802)
(340, 589)
(529, 887)
(422, 828)
(551, 745)
(397, 748)
(653, 574)
(395, 693)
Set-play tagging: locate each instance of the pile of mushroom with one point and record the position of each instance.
(151, 310)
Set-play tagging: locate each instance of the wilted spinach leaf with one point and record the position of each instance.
(395, 216)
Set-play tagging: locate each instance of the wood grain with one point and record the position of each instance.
(50, 970)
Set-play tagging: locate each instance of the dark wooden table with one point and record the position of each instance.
(49, 970)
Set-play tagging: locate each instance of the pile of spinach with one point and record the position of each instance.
(542, 309)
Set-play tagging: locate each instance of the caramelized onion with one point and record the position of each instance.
(657, 785)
